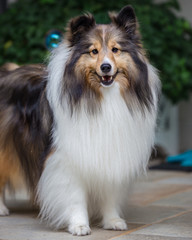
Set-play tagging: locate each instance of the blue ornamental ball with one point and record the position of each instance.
(53, 38)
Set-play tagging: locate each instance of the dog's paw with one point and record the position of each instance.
(4, 211)
(115, 224)
(79, 230)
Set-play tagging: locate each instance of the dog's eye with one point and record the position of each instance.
(115, 50)
(94, 51)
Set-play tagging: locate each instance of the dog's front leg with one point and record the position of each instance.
(111, 211)
(78, 219)
(62, 198)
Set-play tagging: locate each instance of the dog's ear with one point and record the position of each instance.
(125, 19)
(78, 26)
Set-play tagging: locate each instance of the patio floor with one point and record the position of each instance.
(159, 208)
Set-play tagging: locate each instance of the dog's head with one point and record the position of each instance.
(103, 54)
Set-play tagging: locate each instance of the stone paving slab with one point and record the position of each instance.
(149, 192)
(175, 227)
(183, 199)
(149, 237)
(150, 214)
(167, 230)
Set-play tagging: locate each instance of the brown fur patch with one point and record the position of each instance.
(10, 168)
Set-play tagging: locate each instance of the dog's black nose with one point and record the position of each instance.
(105, 67)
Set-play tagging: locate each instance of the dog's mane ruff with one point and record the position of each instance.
(56, 69)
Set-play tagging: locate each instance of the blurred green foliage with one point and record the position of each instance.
(167, 38)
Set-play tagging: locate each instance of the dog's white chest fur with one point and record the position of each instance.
(95, 155)
(112, 145)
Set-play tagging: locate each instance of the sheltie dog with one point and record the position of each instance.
(83, 127)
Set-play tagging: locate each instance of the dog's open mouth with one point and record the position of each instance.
(107, 80)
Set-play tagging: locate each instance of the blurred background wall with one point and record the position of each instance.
(175, 124)
(185, 107)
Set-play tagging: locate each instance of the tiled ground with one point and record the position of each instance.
(159, 208)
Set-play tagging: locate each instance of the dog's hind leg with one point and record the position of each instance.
(3, 209)
(5, 173)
